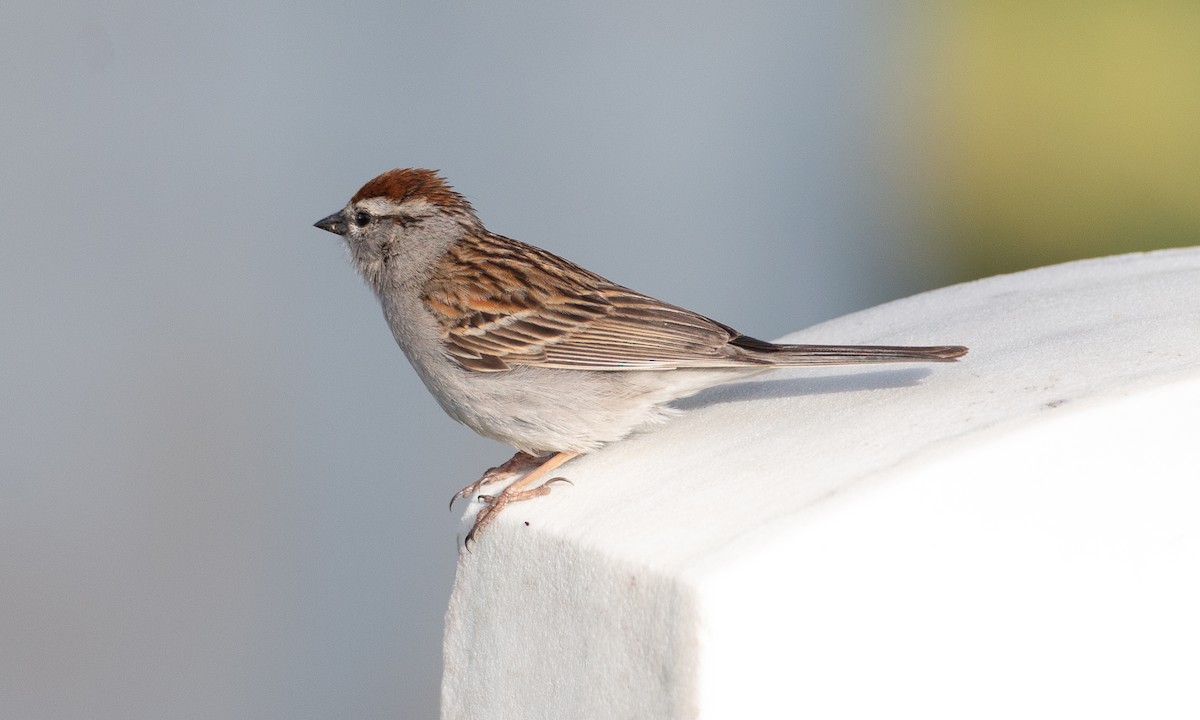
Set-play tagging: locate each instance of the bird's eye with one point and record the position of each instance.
(362, 219)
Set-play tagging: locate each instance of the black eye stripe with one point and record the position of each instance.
(363, 218)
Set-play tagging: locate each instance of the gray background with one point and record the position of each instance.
(222, 489)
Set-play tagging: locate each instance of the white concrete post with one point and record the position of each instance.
(1015, 535)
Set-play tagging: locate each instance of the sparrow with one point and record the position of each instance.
(530, 349)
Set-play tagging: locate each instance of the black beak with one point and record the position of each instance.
(335, 223)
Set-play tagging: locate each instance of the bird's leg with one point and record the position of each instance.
(515, 466)
(518, 491)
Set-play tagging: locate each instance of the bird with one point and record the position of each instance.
(530, 349)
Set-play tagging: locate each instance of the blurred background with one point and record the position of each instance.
(222, 489)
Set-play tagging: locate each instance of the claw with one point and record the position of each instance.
(513, 467)
(518, 491)
(492, 475)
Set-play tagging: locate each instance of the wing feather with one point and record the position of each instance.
(501, 303)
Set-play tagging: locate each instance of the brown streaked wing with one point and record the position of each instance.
(563, 316)
(642, 333)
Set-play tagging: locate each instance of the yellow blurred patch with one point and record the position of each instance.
(1065, 129)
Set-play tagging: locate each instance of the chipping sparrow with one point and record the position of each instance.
(532, 350)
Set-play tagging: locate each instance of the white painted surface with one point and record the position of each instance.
(1013, 535)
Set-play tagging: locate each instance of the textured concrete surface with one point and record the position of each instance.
(1012, 535)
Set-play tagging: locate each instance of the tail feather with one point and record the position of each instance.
(846, 354)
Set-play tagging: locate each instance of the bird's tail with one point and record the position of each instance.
(847, 354)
